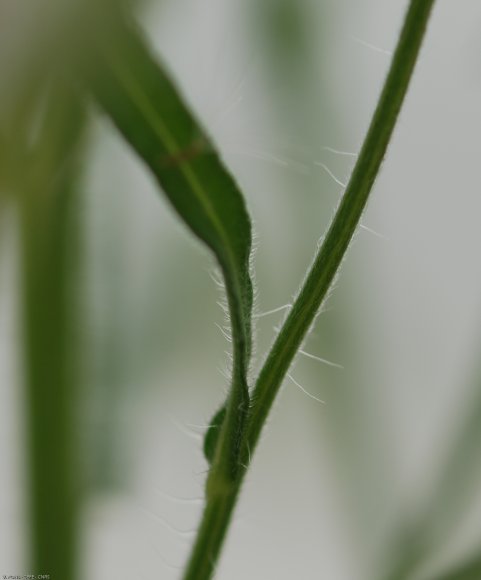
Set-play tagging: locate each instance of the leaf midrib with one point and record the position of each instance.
(156, 122)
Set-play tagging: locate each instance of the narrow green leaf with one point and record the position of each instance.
(150, 113)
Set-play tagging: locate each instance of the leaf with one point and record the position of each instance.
(212, 436)
(149, 111)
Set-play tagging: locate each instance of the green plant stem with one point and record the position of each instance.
(212, 531)
(46, 199)
(339, 235)
(49, 383)
(220, 503)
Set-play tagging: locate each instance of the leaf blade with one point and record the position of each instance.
(149, 111)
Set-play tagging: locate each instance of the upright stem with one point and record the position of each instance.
(46, 198)
(49, 389)
(211, 533)
(220, 504)
(332, 251)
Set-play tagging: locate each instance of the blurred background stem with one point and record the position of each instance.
(47, 203)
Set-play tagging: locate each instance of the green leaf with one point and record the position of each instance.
(149, 111)
(212, 436)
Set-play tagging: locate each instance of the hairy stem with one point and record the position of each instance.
(339, 235)
(221, 502)
(211, 534)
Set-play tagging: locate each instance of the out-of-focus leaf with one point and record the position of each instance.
(150, 113)
(453, 491)
(470, 570)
